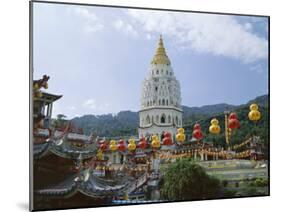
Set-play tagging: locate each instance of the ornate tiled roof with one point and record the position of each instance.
(89, 184)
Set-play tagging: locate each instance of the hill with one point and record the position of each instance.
(125, 123)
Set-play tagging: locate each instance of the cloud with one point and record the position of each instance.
(91, 22)
(204, 33)
(96, 106)
(125, 27)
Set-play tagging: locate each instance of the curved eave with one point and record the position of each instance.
(169, 108)
(39, 150)
(170, 125)
(94, 187)
(72, 154)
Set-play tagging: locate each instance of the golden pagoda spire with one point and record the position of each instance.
(160, 56)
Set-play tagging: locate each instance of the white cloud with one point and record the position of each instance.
(125, 27)
(204, 33)
(90, 103)
(92, 22)
(96, 106)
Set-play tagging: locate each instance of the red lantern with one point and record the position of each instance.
(167, 135)
(142, 143)
(197, 134)
(103, 146)
(232, 116)
(121, 145)
(197, 127)
(101, 142)
(233, 123)
(167, 141)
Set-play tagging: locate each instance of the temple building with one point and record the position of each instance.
(160, 98)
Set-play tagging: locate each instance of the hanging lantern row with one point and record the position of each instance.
(111, 168)
(237, 146)
(181, 155)
(243, 154)
(233, 123)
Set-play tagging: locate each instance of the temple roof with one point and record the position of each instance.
(90, 185)
(58, 144)
(160, 56)
(48, 97)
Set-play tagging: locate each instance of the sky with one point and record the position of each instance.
(97, 57)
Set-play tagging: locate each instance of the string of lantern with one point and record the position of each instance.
(237, 146)
(231, 121)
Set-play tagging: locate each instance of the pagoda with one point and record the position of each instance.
(160, 98)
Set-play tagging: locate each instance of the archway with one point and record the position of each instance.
(163, 118)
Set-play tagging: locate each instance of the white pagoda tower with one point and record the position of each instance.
(160, 98)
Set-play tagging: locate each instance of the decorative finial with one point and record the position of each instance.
(160, 56)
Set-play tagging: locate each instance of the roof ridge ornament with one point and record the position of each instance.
(160, 56)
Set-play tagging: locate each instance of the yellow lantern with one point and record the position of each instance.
(113, 145)
(254, 107)
(214, 128)
(181, 131)
(132, 145)
(155, 141)
(254, 114)
(155, 137)
(214, 121)
(180, 137)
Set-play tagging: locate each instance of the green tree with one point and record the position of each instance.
(186, 180)
(60, 122)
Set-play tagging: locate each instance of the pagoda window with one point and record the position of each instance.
(163, 101)
(177, 121)
(157, 119)
(147, 119)
(169, 119)
(157, 72)
(167, 102)
(159, 102)
(156, 88)
(163, 118)
(153, 102)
